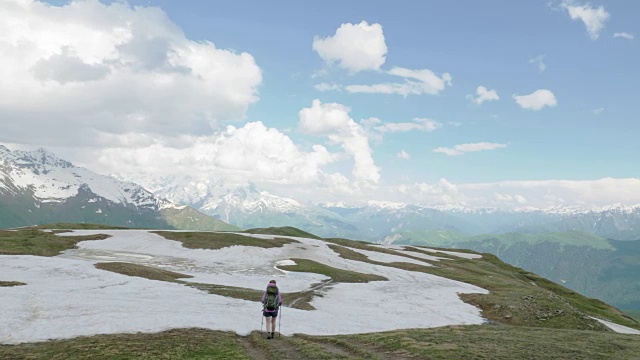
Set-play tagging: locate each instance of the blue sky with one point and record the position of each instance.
(485, 43)
(582, 54)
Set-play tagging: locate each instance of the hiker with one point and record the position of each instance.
(271, 301)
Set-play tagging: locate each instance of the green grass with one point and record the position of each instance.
(219, 240)
(73, 226)
(172, 344)
(337, 275)
(142, 271)
(39, 243)
(574, 238)
(498, 342)
(11, 283)
(453, 342)
(282, 231)
(446, 239)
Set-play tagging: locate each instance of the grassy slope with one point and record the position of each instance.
(455, 342)
(72, 226)
(510, 287)
(212, 240)
(36, 242)
(282, 231)
(517, 297)
(451, 238)
(337, 275)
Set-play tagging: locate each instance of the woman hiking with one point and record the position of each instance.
(271, 301)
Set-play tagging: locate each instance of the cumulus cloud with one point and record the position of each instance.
(624, 35)
(333, 120)
(403, 155)
(465, 148)
(417, 82)
(484, 94)
(539, 61)
(112, 68)
(594, 19)
(536, 100)
(354, 47)
(252, 152)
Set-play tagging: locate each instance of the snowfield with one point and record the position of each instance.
(66, 296)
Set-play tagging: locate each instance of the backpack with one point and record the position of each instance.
(271, 302)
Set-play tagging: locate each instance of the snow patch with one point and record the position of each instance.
(66, 296)
(618, 328)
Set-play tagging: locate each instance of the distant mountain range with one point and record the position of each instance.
(37, 187)
(247, 206)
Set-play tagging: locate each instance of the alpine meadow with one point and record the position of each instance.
(319, 180)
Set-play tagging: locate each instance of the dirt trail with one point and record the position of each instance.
(253, 351)
(307, 347)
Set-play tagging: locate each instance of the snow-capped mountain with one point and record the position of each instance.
(38, 187)
(247, 206)
(52, 179)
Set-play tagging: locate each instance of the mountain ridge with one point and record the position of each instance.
(38, 187)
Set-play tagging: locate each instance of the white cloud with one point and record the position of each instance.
(327, 86)
(252, 152)
(355, 47)
(441, 193)
(598, 111)
(465, 148)
(416, 82)
(485, 94)
(536, 100)
(518, 199)
(541, 194)
(593, 18)
(403, 155)
(418, 124)
(624, 35)
(333, 121)
(539, 61)
(322, 119)
(112, 68)
(551, 193)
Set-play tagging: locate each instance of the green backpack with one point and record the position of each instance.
(272, 303)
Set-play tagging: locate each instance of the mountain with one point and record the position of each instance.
(247, 207)
(38, 187)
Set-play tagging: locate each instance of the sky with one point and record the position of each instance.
(488, 103)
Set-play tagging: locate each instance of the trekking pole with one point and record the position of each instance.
(280, 322)
(261, 322)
